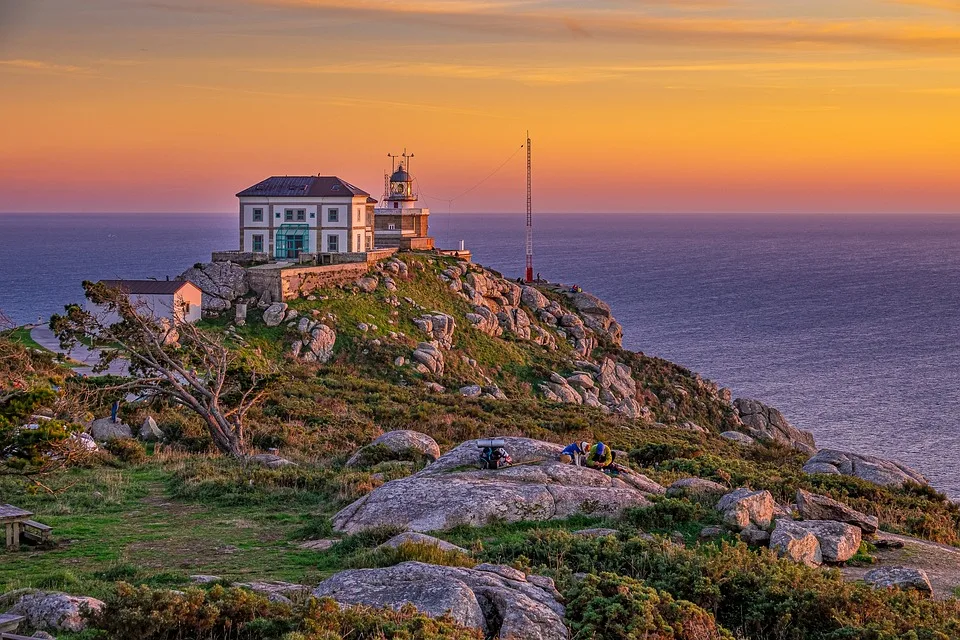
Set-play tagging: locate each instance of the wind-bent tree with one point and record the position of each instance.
(176, 361)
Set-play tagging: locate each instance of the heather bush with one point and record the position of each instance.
(126, 450)
(141, 613)
(753, 594)
(325, 620)
(612, 607)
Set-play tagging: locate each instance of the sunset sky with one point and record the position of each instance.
(633, 105)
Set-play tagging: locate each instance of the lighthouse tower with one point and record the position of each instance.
(400, 222)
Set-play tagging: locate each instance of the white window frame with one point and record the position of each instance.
(333, 215)
(288, 215)
(253, 243)
(333, 243)
(258, 215)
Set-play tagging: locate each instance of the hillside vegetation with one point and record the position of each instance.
(133, 520)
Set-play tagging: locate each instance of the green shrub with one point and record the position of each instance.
(325, 620)
(754, 594)
(654, 453)
(612, 607)
(407, 551)
(127, 450)
(141, 613)
(669, 513)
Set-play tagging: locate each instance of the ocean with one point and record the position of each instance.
(850, 325)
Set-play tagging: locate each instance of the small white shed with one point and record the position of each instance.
(176, 300)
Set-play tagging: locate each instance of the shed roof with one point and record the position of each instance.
(303, 187)
(148, 287)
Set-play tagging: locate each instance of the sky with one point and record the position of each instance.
(765, 106)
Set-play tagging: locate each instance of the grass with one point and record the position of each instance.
(21, 335)
(126, 524)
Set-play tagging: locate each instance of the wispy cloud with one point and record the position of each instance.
(573, 74)
(41, 66)
(538, 19)
(950, 5)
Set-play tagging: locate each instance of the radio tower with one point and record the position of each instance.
(529, 215)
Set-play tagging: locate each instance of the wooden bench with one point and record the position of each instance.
(9, 623)
(35, 531)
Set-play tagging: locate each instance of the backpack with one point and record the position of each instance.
(494, 458)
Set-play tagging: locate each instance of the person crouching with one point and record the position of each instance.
(575, 453)
(600, 457)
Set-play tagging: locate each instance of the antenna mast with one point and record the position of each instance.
(529, 215)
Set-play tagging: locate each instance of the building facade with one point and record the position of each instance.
(286, 216)
(399, 221)
(176, 300)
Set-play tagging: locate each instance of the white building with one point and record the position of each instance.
(285, 216)
(176, 300)
(399, 221)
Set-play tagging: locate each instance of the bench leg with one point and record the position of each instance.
(9, 530)
(16, 535)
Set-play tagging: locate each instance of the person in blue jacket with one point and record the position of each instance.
(574, 453)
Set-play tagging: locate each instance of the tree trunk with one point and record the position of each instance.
(223, 435)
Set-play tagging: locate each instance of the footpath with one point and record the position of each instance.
(86, 356)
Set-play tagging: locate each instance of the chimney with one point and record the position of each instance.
(168, 278)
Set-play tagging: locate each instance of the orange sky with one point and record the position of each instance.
(633, 105)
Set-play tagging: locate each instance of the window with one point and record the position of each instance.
(258, 215)
(258, 243)
(358, 247)
(391, 227)
(333, 215)
(301, 215)
(288, 215)
(278, 214)
(333, 244)
(313, 214)
(186, 307)
(396, 205)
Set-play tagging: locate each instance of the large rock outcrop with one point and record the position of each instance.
(816, 507)
(796, 543)
(104, 429)
(428, 356)
(220, 282)
(455, 491)
(743, 508)
(886, 473)
(838, 541)
(596, 315)
(50, 611)
(402, 445)
(766, 423)
(900, 578)
(499, 600)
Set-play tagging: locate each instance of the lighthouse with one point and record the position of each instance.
(400, 221)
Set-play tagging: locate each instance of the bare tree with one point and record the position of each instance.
(173, 360)
(6, 322)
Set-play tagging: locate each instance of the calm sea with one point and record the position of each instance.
(850, 325)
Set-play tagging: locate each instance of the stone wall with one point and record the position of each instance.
(298, 282)
(240, 257)
(291, 283)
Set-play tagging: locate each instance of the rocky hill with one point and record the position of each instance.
(365, 511)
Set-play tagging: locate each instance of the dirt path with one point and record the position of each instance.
(941, 562)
